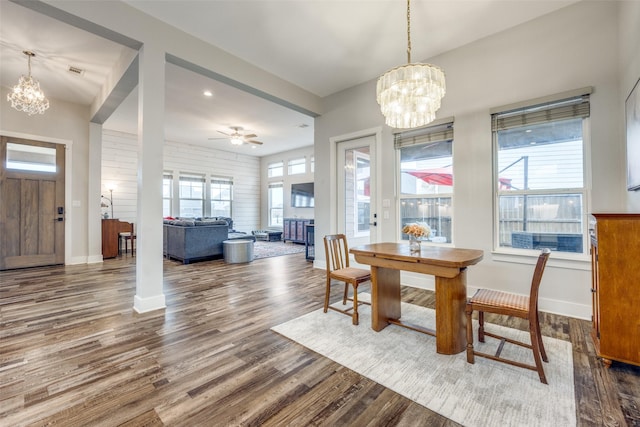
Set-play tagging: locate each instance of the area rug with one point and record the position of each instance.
(486, 393)
(263, 249)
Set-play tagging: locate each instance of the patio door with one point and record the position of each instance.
(356, 216)
(31, 203)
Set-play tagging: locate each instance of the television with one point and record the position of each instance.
(302, 195)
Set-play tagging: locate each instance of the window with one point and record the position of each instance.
(540, 176)
(297, 166)
(221, 196)
(276, 203)
(191, 195)
(313, 164)
(167, 193)
(30, 158)
(426, 179)
(275, 169)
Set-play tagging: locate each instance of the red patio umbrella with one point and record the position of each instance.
(444, 176)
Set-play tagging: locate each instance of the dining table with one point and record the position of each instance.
(448, 265)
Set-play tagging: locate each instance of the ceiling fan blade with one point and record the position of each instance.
(254, 142)
(212, 139)
(223, 133)
(253, 135)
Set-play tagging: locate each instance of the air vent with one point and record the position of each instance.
(76, 70)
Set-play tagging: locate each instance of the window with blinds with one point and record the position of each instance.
(167, 193)
(221, 196)
(276, 203)
(539, 174)
(426, 178)
(191, 195)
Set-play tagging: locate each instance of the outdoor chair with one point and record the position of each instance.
(336, 251)
(524, 307)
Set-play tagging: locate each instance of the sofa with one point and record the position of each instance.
(198, 239)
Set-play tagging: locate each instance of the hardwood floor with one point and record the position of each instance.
(74, 353)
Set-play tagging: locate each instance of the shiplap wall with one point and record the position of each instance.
(120, 163)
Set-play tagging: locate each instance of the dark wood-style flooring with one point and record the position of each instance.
(74, 353)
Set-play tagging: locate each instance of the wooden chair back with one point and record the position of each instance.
(336, 251)
(537, 278)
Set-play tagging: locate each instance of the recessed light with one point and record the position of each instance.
(208, 93)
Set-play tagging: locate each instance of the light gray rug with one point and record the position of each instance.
(486, 393)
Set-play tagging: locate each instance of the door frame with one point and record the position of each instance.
(376, 133)
(67, 182)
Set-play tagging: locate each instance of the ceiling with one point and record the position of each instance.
(319, 45)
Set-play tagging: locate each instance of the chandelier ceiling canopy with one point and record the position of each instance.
(26, 95)
(410, 95)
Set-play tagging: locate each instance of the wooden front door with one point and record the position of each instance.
(31, 203)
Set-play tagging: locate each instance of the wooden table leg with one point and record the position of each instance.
(451, 323)
(385, 296)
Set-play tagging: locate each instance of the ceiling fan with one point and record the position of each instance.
(237, 137)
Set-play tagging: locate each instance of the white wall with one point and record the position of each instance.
(287, 180)
(119, 166)
(572, 48)
(62, 122)
(629, 35)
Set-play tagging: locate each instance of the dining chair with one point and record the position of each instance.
(126, 237)
(504, 303)
(336, 251)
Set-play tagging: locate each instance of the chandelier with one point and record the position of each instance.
(26, 95)
(409, 95)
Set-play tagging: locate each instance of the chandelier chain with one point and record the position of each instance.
(29, 55)
(408, 31)
(410, 95)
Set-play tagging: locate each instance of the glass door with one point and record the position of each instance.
(356, 182)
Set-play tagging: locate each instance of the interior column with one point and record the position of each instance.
(94, 223)
(149, 276)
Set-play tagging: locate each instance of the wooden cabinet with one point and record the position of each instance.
(294, 229)
(111, 228)
(615, 262)
(310, 249)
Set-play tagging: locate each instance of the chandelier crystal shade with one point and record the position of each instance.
(410, 95)
(26, 96)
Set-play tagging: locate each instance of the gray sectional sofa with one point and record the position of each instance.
(189, 239)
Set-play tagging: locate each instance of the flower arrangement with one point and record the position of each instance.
(417, 230)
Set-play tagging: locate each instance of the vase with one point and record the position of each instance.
(414, 243)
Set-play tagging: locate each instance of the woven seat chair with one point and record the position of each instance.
(525, 307)
(336, 252)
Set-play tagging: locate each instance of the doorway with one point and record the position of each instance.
(32, 203)
(356, 215)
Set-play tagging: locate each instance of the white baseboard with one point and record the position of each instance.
(563, 308)
(93, 259)
(77, 260)
(145, 305)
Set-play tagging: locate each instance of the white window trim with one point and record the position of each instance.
(567, 260)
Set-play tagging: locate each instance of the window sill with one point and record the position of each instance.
(557, 259)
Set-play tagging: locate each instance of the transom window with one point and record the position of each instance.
(297, 166)
(30, 158)
(540, 179)
(426, 179)
(275, 169)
